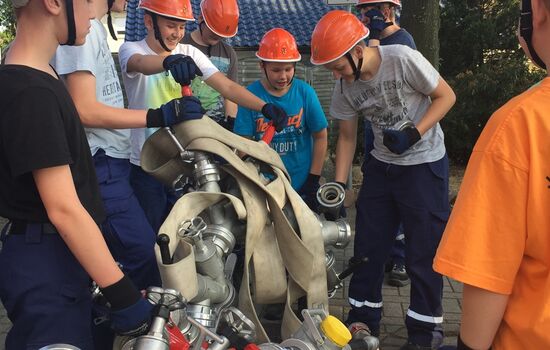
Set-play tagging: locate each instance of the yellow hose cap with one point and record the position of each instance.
(336, 331)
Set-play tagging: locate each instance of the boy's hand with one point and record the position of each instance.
(182, 68)
(133, 320)
(175, 111)
(130, 312)
(376, 23)
(398, 141)
(308, 192)
(276, 114)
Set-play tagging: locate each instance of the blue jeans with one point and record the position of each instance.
(156, 199)
(417, 196)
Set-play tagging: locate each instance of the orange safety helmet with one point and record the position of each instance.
(221, 16)
(372, 2)
(336, 33)
(177, 9)
(278, 45)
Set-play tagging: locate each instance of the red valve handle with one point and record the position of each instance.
(186, 90)
(269, 133)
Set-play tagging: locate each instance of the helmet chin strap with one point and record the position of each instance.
(208, 53)
(110, 19)
(71, 25)
(356, 68)
(156, 30)
(526, 32)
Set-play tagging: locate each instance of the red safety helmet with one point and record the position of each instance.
(373, 2)
(177, 9)
(278, 45)
(336, 33)
(221, 16)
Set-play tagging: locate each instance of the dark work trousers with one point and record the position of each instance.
(127, 232)
(417, 197)
(397, 254)
(45, 291)
(156, 199)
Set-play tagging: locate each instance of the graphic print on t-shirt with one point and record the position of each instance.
(285, 141)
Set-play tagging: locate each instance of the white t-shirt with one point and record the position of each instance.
(95, 57)
(151, 91)
(399, 91)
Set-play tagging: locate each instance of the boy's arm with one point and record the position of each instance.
(82, 87)
(230, 108)
(482, 313)
(145, 64)
(345, 148)
(75, 225)
(443, 98)
(320, 143)
(234, 92)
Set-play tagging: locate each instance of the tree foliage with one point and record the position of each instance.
(421, 19)
(7, 23)
(483, 62)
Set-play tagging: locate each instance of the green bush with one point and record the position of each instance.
(482, 61)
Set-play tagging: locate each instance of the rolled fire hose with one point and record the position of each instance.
(298, 254)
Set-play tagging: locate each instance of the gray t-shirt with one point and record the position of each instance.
(399, 91)
(95, 57)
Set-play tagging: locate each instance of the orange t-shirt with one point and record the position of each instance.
(498, 236)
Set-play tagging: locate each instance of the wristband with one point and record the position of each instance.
(121, 294)
(154, 118)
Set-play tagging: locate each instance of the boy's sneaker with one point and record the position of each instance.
(398, 276)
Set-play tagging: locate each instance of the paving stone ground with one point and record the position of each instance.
(396, 300)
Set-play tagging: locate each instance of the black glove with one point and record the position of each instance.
(398, 141)
(276, 114)
(175, 111)
(377, 23)
(308, 192)
(130, 312)
(182, 67)
(228, 123)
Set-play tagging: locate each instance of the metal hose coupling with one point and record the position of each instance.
(331, 198)
(336, 233)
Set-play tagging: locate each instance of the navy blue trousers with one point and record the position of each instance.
(45, 292)
(156, 199)
(127, 232)
(417, 197)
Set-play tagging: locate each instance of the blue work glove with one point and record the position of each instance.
(276, 114)
(133, 320)
(376, 24)
(130, 312)
(398, 141)
(308, 192)
(182, 68)
(175, 111)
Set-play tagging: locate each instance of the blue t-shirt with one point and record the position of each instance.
(295, 143)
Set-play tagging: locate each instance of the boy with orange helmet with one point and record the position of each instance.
(219, 19)
(302, 143)
(52, 244)
(406, 177)
(143, 65)
(497, 238)
(380, 18)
